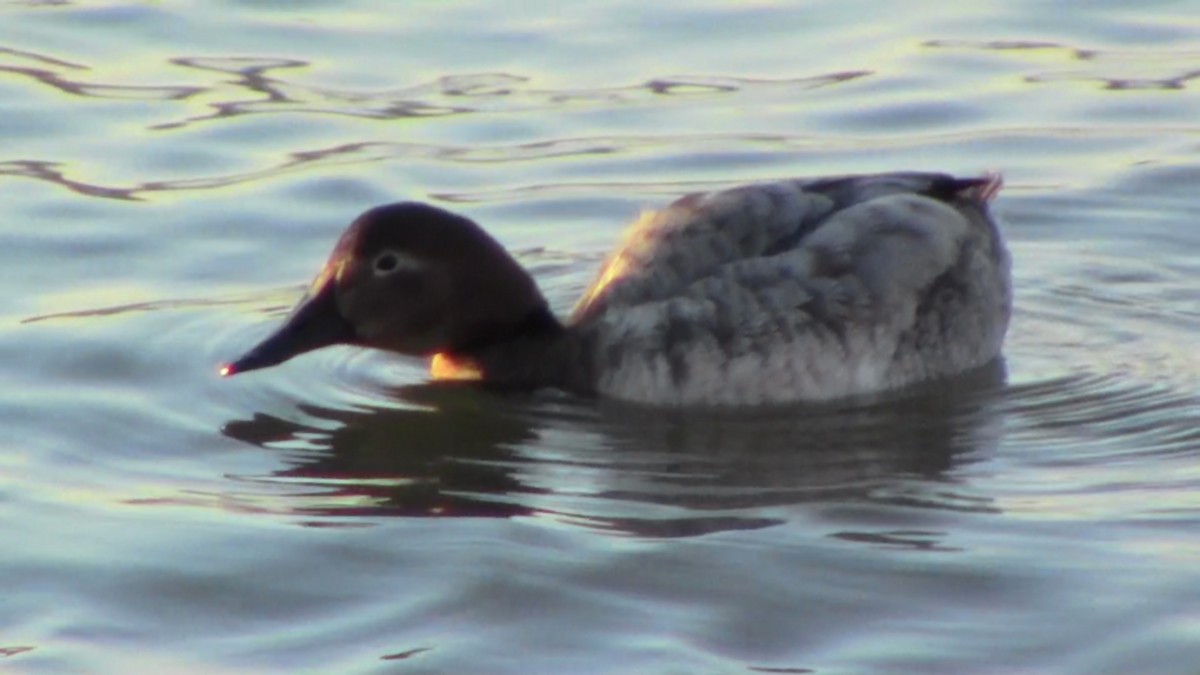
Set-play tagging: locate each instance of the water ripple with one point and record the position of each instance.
(457, 94)
(1113, 69)
(1108, 417)
(368, 152)
(256, 88)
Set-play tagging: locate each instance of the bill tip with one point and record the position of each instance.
(227, 370)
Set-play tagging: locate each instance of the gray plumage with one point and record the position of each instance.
(800, 290)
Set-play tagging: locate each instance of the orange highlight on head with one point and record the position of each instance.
(445, 367)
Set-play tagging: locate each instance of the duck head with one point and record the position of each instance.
(409, 278)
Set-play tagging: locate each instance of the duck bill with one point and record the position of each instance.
(314, 323)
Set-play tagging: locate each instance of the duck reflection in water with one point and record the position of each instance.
(462, 452)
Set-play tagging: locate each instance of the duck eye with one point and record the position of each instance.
(386, 263)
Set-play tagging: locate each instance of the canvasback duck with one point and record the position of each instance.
(797, 290)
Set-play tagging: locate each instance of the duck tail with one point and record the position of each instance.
(982, 189)
(991, 184)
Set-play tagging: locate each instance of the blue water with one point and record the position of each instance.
(172, 174)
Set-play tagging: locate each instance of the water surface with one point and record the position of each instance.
(173, 173)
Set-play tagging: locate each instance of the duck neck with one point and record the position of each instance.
(537, 352)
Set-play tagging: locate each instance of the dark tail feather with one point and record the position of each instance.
(983, 189)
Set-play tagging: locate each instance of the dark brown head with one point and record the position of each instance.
(410, 278)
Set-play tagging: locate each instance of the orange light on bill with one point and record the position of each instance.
(227, 370)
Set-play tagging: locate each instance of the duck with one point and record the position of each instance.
(797, 290)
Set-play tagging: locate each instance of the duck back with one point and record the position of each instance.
(800, 290)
